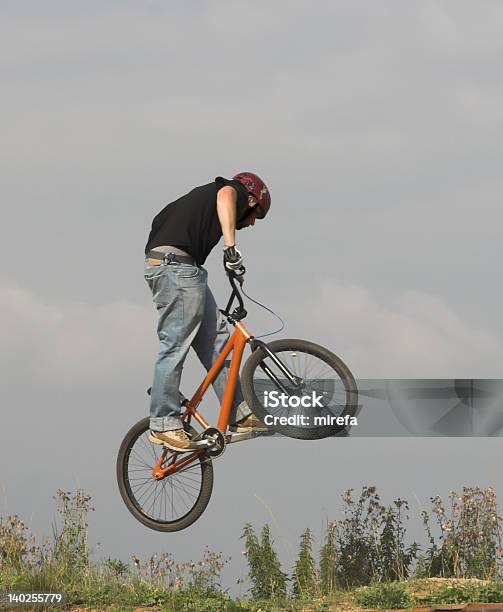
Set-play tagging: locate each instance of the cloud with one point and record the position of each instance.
(73, 343)
(413, 335)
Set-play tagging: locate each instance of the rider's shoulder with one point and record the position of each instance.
(221, 182)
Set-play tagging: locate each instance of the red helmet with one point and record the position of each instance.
(256, 186)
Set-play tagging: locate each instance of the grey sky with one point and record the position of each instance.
(378, 127)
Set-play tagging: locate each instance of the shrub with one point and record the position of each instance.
(470, 540)
(468, 592)
(268, 579)
(70, 548)
(393, 559)
(17, 547)
(65, 565)
(354, 536)
(491, 593)
(305, 576)
(203, 576)
(327, 561)
(370, 541)
(116, 567)
(392, 596)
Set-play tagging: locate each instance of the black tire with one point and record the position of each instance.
(190, 488)
(340, 393)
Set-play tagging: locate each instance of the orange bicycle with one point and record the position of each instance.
(297, 388)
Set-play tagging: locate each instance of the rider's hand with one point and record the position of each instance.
(233, 260)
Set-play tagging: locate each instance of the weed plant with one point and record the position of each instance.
(366, 548)
(267, 578)
(469, 543)
(368, 544)
(391, 596)
(306, 577)
(64, 565)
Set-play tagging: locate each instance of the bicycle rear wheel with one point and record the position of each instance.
(325, 393)
(170, 504)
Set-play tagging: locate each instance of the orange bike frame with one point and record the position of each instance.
(236, 344)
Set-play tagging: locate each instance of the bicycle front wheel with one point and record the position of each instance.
(320, 400)
(172, 503)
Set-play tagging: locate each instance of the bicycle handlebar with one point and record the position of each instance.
(239, 312)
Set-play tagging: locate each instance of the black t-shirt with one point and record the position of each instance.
(191, 222)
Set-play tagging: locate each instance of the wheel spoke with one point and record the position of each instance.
(322, 375)
(166, 500)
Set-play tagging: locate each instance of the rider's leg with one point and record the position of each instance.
(208, 343)
(179, 292)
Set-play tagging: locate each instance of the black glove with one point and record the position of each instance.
(233, 261)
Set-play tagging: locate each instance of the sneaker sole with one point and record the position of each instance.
(247, 429)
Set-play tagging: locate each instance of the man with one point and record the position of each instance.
(181, 238)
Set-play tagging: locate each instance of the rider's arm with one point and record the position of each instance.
(226, 211)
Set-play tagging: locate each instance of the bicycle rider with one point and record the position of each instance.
(181, 238)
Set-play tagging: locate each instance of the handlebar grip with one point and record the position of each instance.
(237, 274)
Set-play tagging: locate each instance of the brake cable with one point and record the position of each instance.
(268, 310)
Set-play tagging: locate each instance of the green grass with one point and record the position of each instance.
(468, 593)
(392, 595)
(406, 594)
(94, 588)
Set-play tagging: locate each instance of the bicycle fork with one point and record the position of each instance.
(296, 381)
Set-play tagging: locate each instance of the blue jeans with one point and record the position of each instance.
(188, 316)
